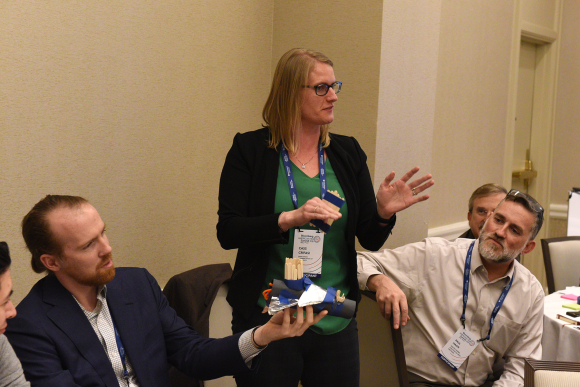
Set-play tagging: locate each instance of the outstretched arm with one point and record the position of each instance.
(283, 325)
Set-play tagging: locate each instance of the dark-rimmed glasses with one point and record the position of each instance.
(322, 89)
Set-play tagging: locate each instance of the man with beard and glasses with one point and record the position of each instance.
(87, 324)
(466, 304)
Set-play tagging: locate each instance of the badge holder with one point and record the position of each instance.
(462, 344)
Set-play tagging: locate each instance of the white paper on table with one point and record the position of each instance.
(574, 214)
(575, 290)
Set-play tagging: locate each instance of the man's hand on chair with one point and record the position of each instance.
(390, 298)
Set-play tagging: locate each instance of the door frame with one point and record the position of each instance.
(543, 113)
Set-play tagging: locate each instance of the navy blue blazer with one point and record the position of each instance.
(58, 347)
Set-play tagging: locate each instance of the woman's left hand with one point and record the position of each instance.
(395, 197)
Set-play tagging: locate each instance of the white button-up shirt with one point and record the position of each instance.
(430, 273)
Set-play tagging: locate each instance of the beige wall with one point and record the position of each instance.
(351, 38)
(472, 98)
(409, 60)
(566, 156)
(133, 107)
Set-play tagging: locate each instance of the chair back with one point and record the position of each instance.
(382, 357)
(542, 373)
(198, 297)
(562, 262)
(220, 325)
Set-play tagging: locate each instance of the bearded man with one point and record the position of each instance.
(466, 304)
(87, 324)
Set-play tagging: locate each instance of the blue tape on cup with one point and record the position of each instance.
(286, 297)
(295, 284)
(578, 300)
(331, 198)
(337, 309)
(325, 227)
(330, 294)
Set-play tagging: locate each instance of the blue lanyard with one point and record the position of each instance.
(499, 302)
(290, 175)
(121, 353)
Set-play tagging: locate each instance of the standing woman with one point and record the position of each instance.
(261, 211)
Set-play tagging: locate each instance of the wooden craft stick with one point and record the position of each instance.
(334, 201)
(293, 269)
(335, 193)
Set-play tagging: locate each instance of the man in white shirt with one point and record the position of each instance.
(464, 304)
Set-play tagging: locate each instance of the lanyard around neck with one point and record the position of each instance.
(121, 349)
(499, 302)
(290, 175)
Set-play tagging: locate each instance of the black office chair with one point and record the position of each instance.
(194, 294)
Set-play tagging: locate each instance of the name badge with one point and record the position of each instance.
(458, 348)
(308, 247)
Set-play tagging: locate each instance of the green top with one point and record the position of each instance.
(334, 258)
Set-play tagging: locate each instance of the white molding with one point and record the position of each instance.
(450, 231)
(559, 211)
(538, 34)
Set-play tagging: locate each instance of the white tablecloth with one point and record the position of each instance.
(560, 341)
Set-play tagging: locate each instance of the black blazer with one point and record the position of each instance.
(246, 210)
(58, 347)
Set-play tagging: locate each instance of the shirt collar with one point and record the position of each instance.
(102, 291)
(101, 299)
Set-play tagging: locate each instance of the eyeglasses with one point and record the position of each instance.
(323, 88)
(534, 205)
(483, 212)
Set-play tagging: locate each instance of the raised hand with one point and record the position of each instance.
(395, 197)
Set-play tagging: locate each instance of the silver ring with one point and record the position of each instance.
(413, 190)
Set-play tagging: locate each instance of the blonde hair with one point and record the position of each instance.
(485, 190)
(282, 111)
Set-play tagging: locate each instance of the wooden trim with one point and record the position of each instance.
(397, 345)
(531, 366)
(548, 259)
